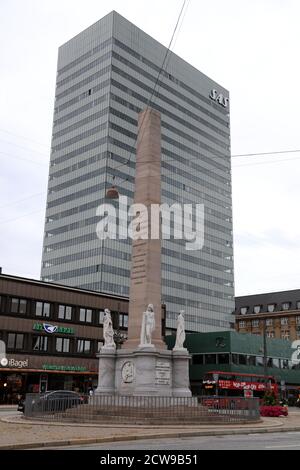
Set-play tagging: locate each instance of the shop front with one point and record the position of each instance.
(38, 375)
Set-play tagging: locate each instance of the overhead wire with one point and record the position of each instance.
(19, 201)
(23, 148)
(23, 159)
(2, 222)
(22, 137)
(150, 99)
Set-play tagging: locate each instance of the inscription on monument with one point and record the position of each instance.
(162, 373)
(138, 272)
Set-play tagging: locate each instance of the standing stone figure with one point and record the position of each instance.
(148, 326)
(108, 332)
(180, 334)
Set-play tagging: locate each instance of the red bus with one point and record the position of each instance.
(216, 383)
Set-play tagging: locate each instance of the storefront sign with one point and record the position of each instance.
(219, 98)
(14, 364)
(64, 368)
(235, 385)
(51, 329)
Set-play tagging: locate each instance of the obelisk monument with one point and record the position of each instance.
(145, 279)
(144, 366)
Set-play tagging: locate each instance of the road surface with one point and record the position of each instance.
(266, 441)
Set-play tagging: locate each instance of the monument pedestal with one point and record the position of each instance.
(145, 371)
(106, 376)
(181, 373)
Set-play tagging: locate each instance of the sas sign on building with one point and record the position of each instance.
(219, 98)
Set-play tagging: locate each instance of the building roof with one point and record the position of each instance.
(52, 285)
(277, 298)
(233, 342)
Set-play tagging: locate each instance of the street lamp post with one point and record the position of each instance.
(265, 352)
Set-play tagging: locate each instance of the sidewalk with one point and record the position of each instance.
(8, 407)
(18, 433)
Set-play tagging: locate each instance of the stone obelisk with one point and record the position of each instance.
(145, 281)
(143, 366)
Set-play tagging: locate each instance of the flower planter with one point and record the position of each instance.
(273, 411)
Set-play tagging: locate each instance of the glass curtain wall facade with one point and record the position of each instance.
(105, 77)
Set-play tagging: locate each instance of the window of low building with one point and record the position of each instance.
(123, 320)
(83, 346)
(198, 359)
(65, 312)
(39, 343)
(210, 358)
(42, 309)
(270, 334)
(15, 341)
(276, 363)
(242, 324)
(285, 335)
(223, 358)
(269, 322)
(242, 359)
(271, 308)
(269, 362)
(255, 323)
(18, 305)
(235, 359)
(284, 321)
(286, 305)
(62, 345)
(285, 364)
(244, 310)
(257, 308)
(85, 315)
(259, 361)
(251, 360)
(101, 317)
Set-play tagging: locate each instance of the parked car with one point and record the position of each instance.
(55, 400)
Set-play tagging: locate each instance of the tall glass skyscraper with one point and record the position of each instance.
(105, 77)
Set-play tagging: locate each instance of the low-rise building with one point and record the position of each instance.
(235, 353)
(276, 313)
(51, 334)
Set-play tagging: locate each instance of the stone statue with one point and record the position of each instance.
(108, 332)
(148, 326)
(180, 333)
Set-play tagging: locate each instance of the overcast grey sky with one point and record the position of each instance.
(251, 47)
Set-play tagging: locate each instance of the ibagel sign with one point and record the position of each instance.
(219, 98)
(14, 364)
(11, 363)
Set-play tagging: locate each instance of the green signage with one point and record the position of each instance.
(64, 368)
(51, 329)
